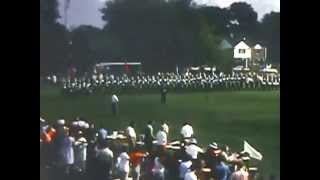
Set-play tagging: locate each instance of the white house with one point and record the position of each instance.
(242, 51)
(250, 55)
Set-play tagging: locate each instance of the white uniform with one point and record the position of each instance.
(193, 150)
(131, 132)
(186, 131)
(161, 138)
(123, 162)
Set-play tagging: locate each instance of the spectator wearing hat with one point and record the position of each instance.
(213, 151)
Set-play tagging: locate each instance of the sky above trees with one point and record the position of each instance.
(86, 12)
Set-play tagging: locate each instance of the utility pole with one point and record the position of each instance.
(66, 8)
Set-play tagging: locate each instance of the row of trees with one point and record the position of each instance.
(159, 33)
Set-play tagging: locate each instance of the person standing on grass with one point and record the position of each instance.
(114, 104)
(164, 92)
(132, 136)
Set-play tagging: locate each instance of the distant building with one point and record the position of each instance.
(251, 56)
(258, 54)
(242, 51)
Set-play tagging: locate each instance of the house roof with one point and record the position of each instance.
(225, 44)
(257, 46)
(235, 41)
(242, 45)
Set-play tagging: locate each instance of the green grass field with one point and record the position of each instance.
(224, 117)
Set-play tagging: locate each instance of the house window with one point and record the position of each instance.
(242, 51)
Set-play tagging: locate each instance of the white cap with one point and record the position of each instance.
(81, 124)
(213, 145)
(86, 126)
(75, 123)
(61, 122)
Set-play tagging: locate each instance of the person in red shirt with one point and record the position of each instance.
(136, 158)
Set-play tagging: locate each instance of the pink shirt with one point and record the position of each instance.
(240, 175)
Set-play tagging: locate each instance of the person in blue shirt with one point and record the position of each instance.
(222, 171)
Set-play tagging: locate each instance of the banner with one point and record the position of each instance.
(252, 152)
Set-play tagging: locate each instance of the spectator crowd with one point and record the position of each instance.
(79, 150)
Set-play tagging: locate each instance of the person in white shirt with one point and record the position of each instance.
(114, 104)
(131, 133)
(193, 149)
(123, 165)
(186, 130)
(80, 150)
(161, 137)
(165, 127)
(54, 79)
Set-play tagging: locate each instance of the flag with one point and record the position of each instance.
(252, 152)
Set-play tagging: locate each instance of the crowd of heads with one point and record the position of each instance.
(172, 81)
(79, 150)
